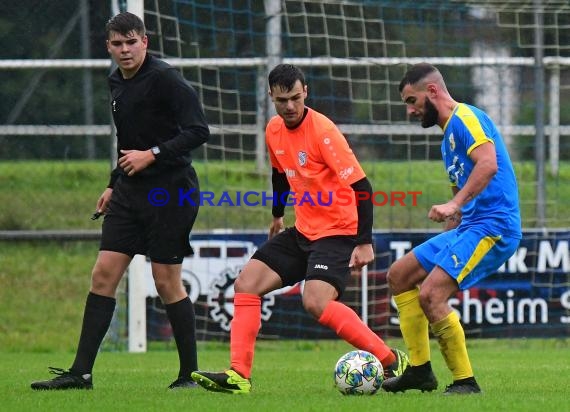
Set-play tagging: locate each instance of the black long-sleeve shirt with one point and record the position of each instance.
(157, 107)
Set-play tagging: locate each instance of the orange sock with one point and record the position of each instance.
(347, 325)
(244, 328)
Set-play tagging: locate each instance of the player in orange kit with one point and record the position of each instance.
(311, 159)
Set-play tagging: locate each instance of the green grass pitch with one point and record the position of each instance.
(515, 375)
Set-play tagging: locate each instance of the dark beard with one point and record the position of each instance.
(430, 114)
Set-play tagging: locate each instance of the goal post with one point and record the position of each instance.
(136, 7)
(136, 305)
(136, 296)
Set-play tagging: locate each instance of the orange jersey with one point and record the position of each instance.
(317, 161)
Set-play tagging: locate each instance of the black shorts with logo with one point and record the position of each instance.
(296, 258)
(148, 216)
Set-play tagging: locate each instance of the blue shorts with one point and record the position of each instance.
(468, 255)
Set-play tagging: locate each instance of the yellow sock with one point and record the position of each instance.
(451, 337)
(414, 326)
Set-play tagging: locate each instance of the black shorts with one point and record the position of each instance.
(135, 224)
(296, 258)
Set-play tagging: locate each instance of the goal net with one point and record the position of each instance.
(354, 54)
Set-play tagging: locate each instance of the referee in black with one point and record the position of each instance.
(159, 121)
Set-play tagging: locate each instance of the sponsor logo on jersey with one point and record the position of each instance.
(345, 173)
(455, 170)
(290, 172)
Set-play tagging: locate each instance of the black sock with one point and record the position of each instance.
(183, 321)
(96, 320)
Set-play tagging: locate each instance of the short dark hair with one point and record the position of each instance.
(285, 76)
(125, 23)
(416, 73)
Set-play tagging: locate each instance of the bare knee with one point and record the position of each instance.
(317, 295)
(161, 286)
(257, 278)
(244, 285)
(397, 279)
(107, 272)
(314, 306)
(169, 289)
(103, 282)
(392, 278)
(405, 274)
(426, 300)
(434, 294)
(433, 305)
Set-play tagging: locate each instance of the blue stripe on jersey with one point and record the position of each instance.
(497, 206)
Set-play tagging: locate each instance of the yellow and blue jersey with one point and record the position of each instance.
(497, 207)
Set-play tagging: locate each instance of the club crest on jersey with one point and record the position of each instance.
(452, 142)
(302, 158)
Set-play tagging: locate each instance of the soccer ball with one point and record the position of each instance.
(358, 373)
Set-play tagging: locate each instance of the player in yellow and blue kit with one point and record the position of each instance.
(482, 230)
